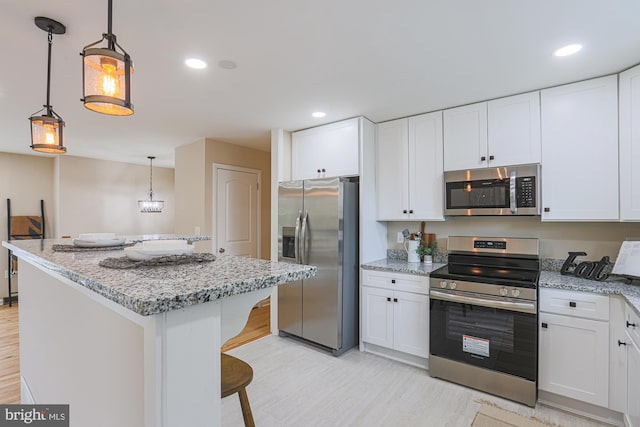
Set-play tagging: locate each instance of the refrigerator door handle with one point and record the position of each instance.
(303, 239)
(296, 239)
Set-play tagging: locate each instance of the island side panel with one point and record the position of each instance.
(75, 350)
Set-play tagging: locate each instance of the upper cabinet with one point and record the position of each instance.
(630, 144)
(580, 151)
(502, 132)
(326, 151)
(409, 168)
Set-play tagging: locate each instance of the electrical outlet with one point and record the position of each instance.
(196, 231)
(400, 238)
(6, 274)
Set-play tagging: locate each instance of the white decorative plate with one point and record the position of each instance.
(99, 243)
(143, 252)
(97, 236)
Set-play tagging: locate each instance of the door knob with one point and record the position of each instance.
(221, 250)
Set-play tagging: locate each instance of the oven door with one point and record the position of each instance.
(487, 332)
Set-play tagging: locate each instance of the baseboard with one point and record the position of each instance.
(25, 392)
(583, 409)
(409, 359)
(5, 300)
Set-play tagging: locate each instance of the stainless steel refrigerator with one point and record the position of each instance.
(318, 225)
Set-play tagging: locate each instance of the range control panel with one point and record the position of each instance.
(489, 244)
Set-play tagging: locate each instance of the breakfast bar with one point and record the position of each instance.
(133, 347)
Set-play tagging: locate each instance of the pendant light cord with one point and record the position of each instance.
(50, 39)
(151, 177)
(110, 36)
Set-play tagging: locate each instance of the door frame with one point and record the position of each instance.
(214, 225)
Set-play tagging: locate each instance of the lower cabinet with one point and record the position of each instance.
(574, 350)
(632, 324)
(393, 317)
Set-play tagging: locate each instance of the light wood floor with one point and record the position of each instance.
(258, 326)
(9, 355)
(298, 385)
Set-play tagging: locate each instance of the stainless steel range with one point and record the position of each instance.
(484, 316)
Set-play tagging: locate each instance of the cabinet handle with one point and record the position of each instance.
(633, 325)
(621, 343)
(544, 325)
(410, 210)
(393, 280)
(318, 170)
(547, 209)
(404, 211)
(572, 304)
(389, 299)
(483, 158)
(323, 170)
(491, 158)
(395, 300)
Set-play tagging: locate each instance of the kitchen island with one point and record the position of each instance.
(132, 347)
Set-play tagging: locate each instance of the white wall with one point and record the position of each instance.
(102, 196)
(556, 238)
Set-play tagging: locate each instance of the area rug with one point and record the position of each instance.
(491, 415)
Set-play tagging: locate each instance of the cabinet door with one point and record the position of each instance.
(411, 323)
(465, 137)
(377, 316)
(633, 385)
(392, 171)
(514, 130)
(333, 147)
(617, 355)
(630, 145)
(580, 151)
(574, 358)
(425, 167)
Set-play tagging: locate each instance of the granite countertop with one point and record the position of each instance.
(402, 266)
(612, 286)
(153, 290)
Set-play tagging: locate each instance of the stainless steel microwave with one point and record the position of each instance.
(510, 190)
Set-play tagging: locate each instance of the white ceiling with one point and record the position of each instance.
(378, 58)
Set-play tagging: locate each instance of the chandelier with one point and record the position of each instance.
(149, 205)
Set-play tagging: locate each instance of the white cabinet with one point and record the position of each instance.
(632, 323)
(574, 345)
(326, 151)
(409, 168)
(465, 141)
(617, 355)
(501, 132)
(395, 312)
(580, 151)
(630, 144)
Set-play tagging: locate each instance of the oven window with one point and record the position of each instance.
(478, 194)
(490, 338)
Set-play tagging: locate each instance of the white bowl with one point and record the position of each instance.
(99, 243)
(97, 236)
(165, 243)
(144, 252)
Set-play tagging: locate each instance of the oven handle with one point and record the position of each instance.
(524, 307)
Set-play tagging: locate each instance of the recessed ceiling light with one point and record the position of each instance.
(568, 50)
(198, 64)
(318, 114)
(227, 64)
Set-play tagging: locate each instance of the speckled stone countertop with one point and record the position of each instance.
(402, 266)
(153, 290)
(611, 286)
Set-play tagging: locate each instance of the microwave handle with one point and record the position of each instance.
(512, 192)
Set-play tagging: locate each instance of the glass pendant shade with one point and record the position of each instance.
(107, 82)
(149, 205)
(46, 134)
(106, 75)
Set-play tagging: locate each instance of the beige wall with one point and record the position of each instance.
(556, 238)
(25, 180)
(194, 184)
(102, 196)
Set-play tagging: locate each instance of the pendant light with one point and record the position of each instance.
(106, 75)
(46, 128)
(149, 205)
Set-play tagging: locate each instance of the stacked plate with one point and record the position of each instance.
(98, 240)
(157, 248)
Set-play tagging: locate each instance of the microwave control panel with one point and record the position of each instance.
(526, 192)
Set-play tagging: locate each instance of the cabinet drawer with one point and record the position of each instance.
(577, 304)
(396, 281)
(631, 319)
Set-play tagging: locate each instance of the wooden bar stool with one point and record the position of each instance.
(236, 376)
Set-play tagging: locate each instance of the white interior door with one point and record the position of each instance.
(237, 210)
